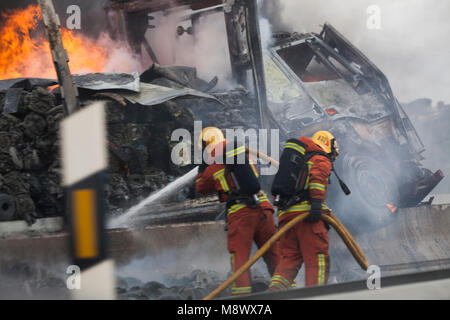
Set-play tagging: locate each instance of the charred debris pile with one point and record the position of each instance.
(193, 285)
(142, 113)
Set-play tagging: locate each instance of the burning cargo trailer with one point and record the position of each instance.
(139, 137)
(142, 113)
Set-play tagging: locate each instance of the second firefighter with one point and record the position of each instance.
(300, 186)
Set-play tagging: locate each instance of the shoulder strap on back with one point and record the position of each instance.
(311, 154)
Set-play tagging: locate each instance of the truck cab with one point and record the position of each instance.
(322, 82)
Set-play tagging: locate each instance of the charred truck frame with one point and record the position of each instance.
(308, 82)
(322, 82)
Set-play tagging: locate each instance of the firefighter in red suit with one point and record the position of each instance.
(247, 222)
(307, 242)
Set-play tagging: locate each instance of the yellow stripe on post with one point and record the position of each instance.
(85, 223)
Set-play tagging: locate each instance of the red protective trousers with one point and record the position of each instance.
(244, 227)
(304, 243)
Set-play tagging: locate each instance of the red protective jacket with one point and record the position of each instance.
(214, 179)
(319, 168)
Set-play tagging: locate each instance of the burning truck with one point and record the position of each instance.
(299, 84)
(316, 82)
(323, 82)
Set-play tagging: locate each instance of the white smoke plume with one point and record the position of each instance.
(207, 50)
(120, 57)
(411, 46)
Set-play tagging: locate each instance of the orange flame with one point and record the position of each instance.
(23, 54)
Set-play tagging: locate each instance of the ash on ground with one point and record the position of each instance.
(36, 281)
(188, 286)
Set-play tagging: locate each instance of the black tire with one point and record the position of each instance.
(7, 207)
(372, 188)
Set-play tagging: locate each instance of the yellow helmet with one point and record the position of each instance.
(326, 141)
(211, 136)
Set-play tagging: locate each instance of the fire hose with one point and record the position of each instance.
(330, 218)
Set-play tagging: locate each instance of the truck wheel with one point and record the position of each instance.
(373, 187)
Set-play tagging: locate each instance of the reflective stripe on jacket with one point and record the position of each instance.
(213, 179)
(301, 207)
(319, 169)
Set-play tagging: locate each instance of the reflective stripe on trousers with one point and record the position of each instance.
(301, 207)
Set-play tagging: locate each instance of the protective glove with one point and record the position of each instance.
(316, 211)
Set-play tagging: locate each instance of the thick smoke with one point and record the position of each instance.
(93, 20)
(431, 121)
(411, 47)
(265, 26)
(176, 261)
(94, 24)
(201, 253)
(104, 54)
(33, 279)
(207, 50)
(120, 56)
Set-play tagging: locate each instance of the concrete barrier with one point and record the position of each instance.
(417, 240)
